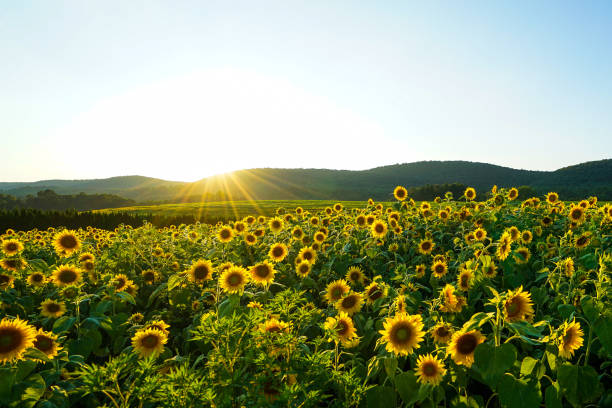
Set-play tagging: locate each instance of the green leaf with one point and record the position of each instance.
(477, 320)
(589, 309)
(126, 297)
(553, 397)
(81, 346)
(515, 393)
(390, 366)
(566, 311)
(380, 396)
(35, 389)
(551, 358)
(36, 354)
(493, 361)
(579, 384)
(528, 365)
(603, 330)
(407, 387)
(63, 324)
(8, 378)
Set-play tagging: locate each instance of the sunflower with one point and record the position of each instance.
(350, 304)
(490, 270)
(464, 280)
(254, 305)
(430, 370)
(51, 308)
(46, 342)
(442, 332)
(426, 246)
(439, 269)
(11, 247)
(355, 274)
(570, 338)
(552, 198)
(375, 291)
(278, 252)
(234, 279)
(276, 225)
(402, 333)
(159, 325)
(66, 242)
(120, 282)
(303, 268)
(582, 241)
(149, 342)
(576, 214)
(13, 264)
(512, 194)
(319, 237)
(567, 267)
(419, 270)
(343, 327)
(400, 193)
(297, 233)
(379, 229)
(225, 234)
(200, 271)
(462, 346)
(336, 290)
(308, 254)
(526, 237)
(239, 227)
(250, 239)
(6, 281)
(262, 273)
(360, 220)
(150, 276)
(87, 256)
(504, 246)
(522, 255)
(470, 193)
(65, 275)
(274, 325)
(443, 215)
(36, 279)
(518, 305)
(16, 336)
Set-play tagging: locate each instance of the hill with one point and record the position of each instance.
(572, 182)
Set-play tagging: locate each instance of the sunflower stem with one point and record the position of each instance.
(588, 349)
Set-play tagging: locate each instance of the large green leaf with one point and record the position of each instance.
(407, 387)
(603, 330)
(515, 393)
(579, 384)
(553, 396)
(380, 396)
(493, 362)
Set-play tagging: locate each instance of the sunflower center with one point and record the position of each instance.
(234, 279)
(67, 276)
(379, 228)
(303, 268)
(68, 241)
(355, 276)
(262, 271)
(466, 344)
(336, 293)
(425, 246)
(149, 276)
(4, 279)
(341, 328)
(307, 255)
(53, 307)
(403, 333)
(225, 234)
(43, 343)
(277, 252)
(200, 272)
(513, 308)
(576, 214)
(442, 332)
(11, 246)
(9, 339)
(568, 336)
(349, 302)
(37, 277)
(374, 293)
(150, 341)
(464, 281)
(429, 369)
(439, 268)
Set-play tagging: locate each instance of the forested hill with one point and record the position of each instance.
(574, 182)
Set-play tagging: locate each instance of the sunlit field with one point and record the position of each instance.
(458, 302)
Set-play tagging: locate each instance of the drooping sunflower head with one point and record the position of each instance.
(522, 255)
(149, 342)
(274, 325)
(87, 256)
(489, 270)
(400, 193)
(504, 246)
(430, 370)
(526, 237)
(6, 281)
(11, 247)
(570, 339)
(47, 343)
(160, 325)
(439, 269)
(278, 252)
(419, 270)
(350, 304)
(200, 271)
(336, 291)
(121, 282)
(402, 333)
(462, 346)
(262, 273)
(234, 279)
(52, 308)
(582, 241)
(66, 242)
(379, 229)
(65, 275)
(239, 227)
(518, 305)
(426, 246)
(465, 279)
(375, 291)
(150, 276)
(442, 332)
(16, 336)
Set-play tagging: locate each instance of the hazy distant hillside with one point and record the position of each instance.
(282, 184)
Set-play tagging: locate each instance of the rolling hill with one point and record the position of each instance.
(590, 178)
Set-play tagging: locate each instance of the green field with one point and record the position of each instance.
(230, 209)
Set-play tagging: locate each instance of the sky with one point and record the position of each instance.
(182, 90)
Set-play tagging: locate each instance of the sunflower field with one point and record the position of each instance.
(458, 302)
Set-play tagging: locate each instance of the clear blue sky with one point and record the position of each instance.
(185, 89)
